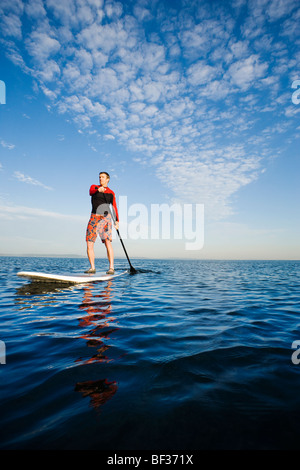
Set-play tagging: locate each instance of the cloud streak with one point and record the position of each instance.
(29, 180)
(23, 212)
(7, 145)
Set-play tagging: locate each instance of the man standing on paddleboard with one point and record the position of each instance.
(100, 222)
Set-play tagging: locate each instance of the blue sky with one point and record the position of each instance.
(182, 102)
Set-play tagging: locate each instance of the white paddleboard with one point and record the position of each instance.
(70, 278)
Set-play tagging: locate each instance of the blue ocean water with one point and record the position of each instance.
(182, 355)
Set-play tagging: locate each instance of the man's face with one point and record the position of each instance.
(103, 179)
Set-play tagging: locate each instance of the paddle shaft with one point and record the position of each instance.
(131, 267)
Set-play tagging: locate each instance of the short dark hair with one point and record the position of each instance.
(101, 172)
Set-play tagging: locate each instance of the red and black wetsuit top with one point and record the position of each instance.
(101, 202)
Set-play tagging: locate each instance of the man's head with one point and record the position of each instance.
(104, 178)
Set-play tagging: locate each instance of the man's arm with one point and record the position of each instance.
(93, 189)
(115, 207)
(114, 204)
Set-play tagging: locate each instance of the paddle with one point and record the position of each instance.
(132, 269)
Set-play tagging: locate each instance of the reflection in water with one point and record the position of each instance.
(36, 293)
(99, 391)
(96, 323)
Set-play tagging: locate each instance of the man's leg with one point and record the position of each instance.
(110, 253)
(91, 253)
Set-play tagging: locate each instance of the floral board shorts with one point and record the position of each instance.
(99, 225)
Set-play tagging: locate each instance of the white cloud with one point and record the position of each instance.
(35, 9)
(113, 9)
(41, 46)
(210, 177)
(32, 212)
(64, 11)
(50, 72)
(7, 145)
(29, 180)
(10, 18)
(201, 73)
(11, 26)
(246, 72)
(276, 9)
(104, 37)
(84, 59)
(142, 14)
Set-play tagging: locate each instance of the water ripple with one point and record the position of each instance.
(185, 354)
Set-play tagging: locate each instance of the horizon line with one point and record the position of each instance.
(143, 257)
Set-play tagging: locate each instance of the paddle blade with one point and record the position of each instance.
(132, 270)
